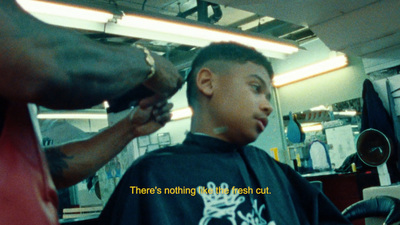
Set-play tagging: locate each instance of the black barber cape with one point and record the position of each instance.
(207, 181)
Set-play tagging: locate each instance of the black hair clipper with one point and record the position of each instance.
(129, 100)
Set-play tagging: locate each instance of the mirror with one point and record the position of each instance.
(329, 135)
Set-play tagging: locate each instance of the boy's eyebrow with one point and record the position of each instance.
(258, 77)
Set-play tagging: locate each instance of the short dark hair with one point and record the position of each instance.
(224, 51)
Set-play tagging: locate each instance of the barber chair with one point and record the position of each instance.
(374, 148)
(380, 206)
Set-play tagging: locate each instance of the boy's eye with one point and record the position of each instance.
(256, 87)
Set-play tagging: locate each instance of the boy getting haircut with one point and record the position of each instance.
(235, 183)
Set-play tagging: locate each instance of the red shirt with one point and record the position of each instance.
(27, 193)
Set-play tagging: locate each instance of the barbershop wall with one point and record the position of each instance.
(333, 87)
(272, 136)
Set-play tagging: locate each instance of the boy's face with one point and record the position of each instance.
(241, 102)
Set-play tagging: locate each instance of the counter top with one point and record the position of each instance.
(324, 173)
(87, 220)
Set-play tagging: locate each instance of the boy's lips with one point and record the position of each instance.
(262, 122)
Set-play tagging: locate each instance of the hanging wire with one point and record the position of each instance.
(398, 89)
(179, 7)
(144, 3)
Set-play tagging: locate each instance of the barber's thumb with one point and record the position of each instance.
(140, 115)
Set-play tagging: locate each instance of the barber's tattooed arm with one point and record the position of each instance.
(57, 161)
(72, 162)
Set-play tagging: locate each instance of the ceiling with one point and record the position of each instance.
(203, 12)
(366, 28)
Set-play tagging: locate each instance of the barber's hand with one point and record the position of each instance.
(148, 120)
(165, 82)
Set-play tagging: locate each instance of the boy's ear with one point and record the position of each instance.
(204, 81)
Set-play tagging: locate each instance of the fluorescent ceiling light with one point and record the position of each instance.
(176, 114)
(345, 113)
(310, 71)
(72, 116)
(66, 15)
(312, 128)
(322, 108)
(194, 34)
(140, 26)
(65, 11)
(182, 113)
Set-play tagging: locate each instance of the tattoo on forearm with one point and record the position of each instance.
(56, 161)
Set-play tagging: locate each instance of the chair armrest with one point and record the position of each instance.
(377, 206)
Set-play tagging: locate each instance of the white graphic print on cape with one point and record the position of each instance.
(223, 206)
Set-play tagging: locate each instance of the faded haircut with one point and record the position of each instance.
(224, 51)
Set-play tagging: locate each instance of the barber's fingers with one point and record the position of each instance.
(151, 100)
(162, 113)
(157, 118)
(163, 119)
(162, 108)
(140, 115)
